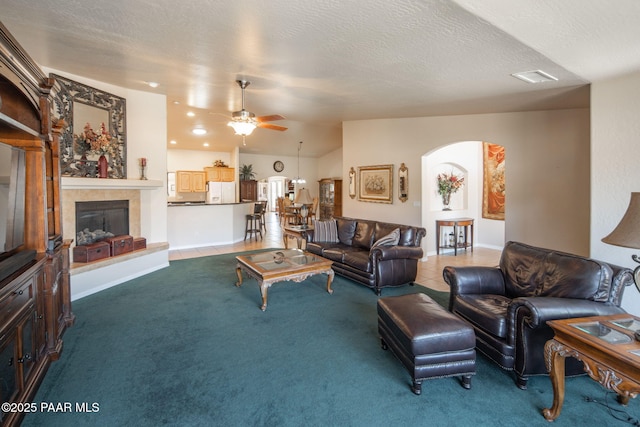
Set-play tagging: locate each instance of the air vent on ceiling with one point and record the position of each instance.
(535, 76)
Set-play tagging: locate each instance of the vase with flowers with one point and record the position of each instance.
(99, 143)
(448, 183)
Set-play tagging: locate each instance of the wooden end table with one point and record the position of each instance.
(456, 223)
(608, 349)
(278, 266)
(297, 232)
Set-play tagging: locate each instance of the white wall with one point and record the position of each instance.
(196, 160)
(615, 134)
(330, 166)
(547, 173)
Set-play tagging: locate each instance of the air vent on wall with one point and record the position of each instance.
(535, 76)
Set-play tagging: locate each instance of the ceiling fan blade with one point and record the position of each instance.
(271, 118)
(272, 127)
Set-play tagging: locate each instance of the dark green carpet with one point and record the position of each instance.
(184, 347)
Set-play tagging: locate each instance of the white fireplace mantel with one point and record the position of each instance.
(70, 183)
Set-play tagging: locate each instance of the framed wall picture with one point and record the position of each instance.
(493, 186)
(375, 184)
(403, 183)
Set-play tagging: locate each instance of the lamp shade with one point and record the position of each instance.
(303, 197)
(242, 128)
(627, 233)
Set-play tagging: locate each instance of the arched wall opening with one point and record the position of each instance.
(463, 159)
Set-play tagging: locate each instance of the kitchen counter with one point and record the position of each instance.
(196, 224)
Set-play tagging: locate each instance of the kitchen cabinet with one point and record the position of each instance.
(191, 181)
(330, 198)
(220, 174)
(248, 190)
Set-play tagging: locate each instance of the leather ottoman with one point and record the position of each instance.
(429, 341)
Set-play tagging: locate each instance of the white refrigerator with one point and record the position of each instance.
(221, 192)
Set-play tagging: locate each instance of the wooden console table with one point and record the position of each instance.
(608, 349)
(465, 223)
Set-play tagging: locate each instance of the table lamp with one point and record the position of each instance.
(627, 233)
(304, 198)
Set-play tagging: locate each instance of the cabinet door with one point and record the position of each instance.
(228, 174)
(183, 179)
(213, 174)
(198, 182)
(8, 373)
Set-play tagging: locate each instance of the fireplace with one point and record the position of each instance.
(97, 220)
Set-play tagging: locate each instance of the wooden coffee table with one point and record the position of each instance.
(278, 266)
(608, 349)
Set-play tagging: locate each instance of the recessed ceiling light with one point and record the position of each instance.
(535, 76)
(173, 141)
(153, 84)
(190, 113)
(176, 102)
(206, 144)
(199, 131)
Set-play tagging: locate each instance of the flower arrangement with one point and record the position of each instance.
(99, 143)
(449, 183)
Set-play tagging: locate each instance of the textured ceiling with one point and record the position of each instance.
(320, 63)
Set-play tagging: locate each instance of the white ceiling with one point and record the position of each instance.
(319, 63)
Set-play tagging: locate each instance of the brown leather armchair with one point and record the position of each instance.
(509, 306)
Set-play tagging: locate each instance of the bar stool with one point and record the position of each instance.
(254, 222)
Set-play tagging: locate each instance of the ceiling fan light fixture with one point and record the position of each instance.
(243, 128)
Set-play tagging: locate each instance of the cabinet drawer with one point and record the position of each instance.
(15, 300)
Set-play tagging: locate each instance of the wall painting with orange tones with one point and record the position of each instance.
(493, 188)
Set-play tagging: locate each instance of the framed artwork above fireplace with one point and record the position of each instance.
(84, 108)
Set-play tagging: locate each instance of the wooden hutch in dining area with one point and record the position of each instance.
(330, 200)
(35, 300)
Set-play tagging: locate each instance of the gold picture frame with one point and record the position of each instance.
(375, 184)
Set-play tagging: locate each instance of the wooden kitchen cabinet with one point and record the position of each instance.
(249, 190)
(191, 181)
(220, 174)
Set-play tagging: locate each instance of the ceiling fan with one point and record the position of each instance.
(244, 122)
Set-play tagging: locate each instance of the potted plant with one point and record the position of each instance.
(247, 173)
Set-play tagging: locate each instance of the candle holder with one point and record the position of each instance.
(143, 168)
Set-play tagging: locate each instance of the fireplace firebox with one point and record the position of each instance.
(97, 220)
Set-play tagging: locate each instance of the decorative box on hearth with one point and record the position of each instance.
(91, 252)
(139, 243)
(120, 244)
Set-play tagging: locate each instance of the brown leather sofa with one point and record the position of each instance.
(378, 267)
(509, 306)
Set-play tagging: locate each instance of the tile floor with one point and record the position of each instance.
(429, 272)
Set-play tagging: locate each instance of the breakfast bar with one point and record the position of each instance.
(201, 224)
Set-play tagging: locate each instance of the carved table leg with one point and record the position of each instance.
(264, 288)
(555, 364)
(285, 237)
(330, 275)
(239, 274)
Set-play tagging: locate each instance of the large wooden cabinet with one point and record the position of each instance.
(191, 181)
(330, 200)
(249, 190)
(217, 174)
(35, 298)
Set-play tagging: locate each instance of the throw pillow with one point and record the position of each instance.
(325, 231)
(390, 239)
